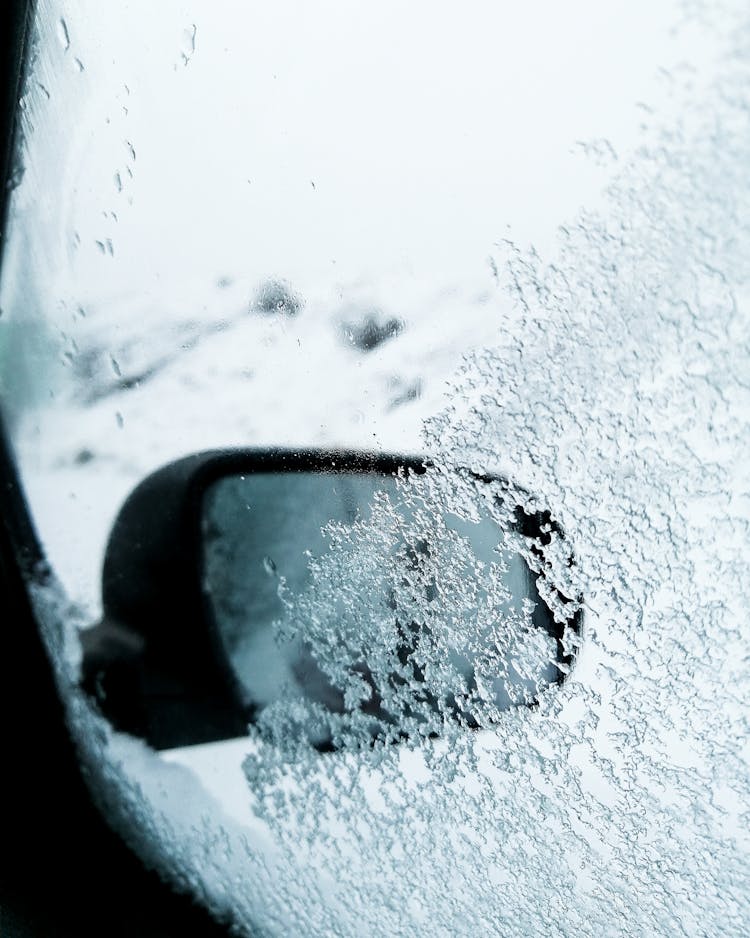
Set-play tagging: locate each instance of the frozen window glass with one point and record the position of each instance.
(512, 240)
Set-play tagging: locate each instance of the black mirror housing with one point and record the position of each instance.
(156, 664)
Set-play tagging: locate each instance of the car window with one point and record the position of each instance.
(510, 240)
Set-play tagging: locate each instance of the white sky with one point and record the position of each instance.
(430, 130)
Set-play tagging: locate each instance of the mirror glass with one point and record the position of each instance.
(419, 615)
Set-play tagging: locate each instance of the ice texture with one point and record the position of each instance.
(618, 392)
(417, 627)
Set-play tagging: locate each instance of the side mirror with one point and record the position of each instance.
(209, 554)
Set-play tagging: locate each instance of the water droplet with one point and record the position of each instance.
(119, 419)
(188, 43)
(44, 91)
(79, 65)
(131, 150)
(64, 35)
(102, 247)
(118, 182)
(115, 366)
(493, 269)
(269, 566)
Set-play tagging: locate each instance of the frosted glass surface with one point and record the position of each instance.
(512, 239)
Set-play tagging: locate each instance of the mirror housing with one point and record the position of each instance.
(156, 663)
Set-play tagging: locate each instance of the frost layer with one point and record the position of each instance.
(618, 393)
